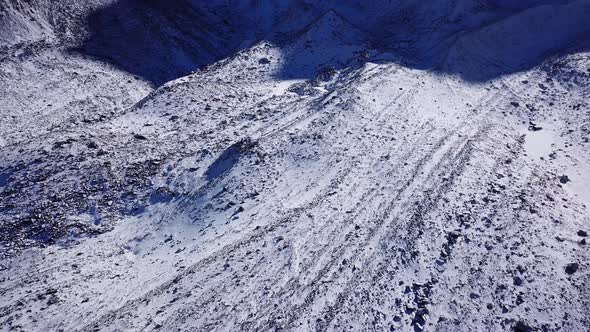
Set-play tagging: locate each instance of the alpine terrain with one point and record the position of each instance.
(295, 165)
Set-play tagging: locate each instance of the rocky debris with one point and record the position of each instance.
(355, 186)
(168, 238)
(582, 233)
(67, 209)
(564, 179)
(521, 326)
(239, 210)
(229, 158)
(303, 89)
(325, 74)
(571, 268)
(447, 247)
(61, 144)
(534, 127)
(139, 137)
(421, 300)
(161, 195)
(53, 299)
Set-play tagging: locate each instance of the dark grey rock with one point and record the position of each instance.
(564, 179)
(571, 268)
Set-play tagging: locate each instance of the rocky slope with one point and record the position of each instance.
(428, 171)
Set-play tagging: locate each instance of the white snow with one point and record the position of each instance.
(341, 165)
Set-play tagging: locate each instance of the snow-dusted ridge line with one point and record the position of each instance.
(310, 181)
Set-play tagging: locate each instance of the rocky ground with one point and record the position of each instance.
(319, 182)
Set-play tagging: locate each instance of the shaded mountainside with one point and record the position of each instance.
(162, 40)
(294, 165)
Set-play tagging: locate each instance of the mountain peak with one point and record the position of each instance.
(333, 28)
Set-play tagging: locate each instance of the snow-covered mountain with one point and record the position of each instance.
(298, 165)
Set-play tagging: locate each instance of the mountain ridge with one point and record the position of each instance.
(308, 176)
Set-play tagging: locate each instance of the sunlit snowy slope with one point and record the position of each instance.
(294, 165)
